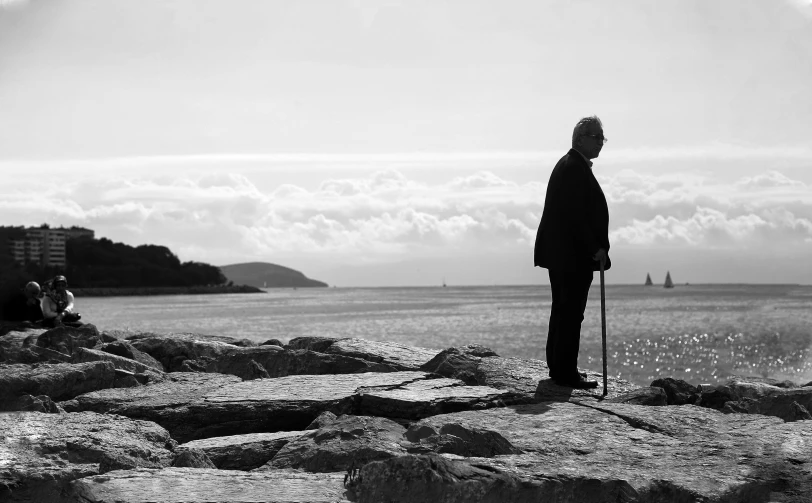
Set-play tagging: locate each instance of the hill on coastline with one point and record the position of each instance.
(262, 274)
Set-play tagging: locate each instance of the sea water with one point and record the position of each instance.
(700, 333)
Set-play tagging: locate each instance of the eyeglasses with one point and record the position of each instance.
(598, 137)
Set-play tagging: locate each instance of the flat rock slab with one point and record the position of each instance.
(193, 485)
(59, 381)
(605, 452)
(478, 365)
(348, 442)
(40, 453)
(399, 356)
(434, 396)
(194, 406)
(242, 452)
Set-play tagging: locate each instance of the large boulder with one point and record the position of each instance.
(171, 350)
(60, 381)
(29, 403)
(127, 350)
(479, 365)
(241, 452)
(458, 439)
(66, 339)
(311, 343)
(677, 391)
(793, 405)
(758, 397)
(347, 442)
(15, 346)
(82, 355)
(42, 453)
(274, 361)
(602, 452)
(136, 336)
(643, 396)
(192, 458)
(322, 420)
(175, 485)
(391, 354)
(779, 383)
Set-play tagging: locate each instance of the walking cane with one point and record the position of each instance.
(603, 327)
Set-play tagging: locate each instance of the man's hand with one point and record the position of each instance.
(600, 255)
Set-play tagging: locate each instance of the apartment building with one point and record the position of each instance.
(45, 245)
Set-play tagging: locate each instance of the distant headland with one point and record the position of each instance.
(267, 275)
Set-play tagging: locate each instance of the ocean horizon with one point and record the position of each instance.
(702, 333)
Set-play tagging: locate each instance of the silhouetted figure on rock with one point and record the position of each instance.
(572, 238)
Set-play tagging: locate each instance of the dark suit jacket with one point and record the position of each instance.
(575, 222)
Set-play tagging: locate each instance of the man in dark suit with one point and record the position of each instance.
(573, 237)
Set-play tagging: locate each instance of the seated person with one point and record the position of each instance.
(57, 305)
(33, 305)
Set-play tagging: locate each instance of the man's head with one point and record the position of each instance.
(32, 289)
(587, 137)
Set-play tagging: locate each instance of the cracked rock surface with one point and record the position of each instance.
(41, 453)
(193, 406)
(434, 396)
(592, 451)
(347, 442)
(176, 485)
(470, 426)
(242, 452)
(398, 356)
(481, 366)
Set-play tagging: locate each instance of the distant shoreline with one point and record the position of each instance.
(162, 290)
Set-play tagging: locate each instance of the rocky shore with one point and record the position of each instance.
(145, 417)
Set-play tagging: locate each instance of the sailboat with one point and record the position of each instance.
(443, 282)
(668, 282)
(648, 280)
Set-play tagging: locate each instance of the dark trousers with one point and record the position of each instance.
(570, 290)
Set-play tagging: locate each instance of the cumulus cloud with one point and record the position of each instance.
(386, 216)
(769, 179)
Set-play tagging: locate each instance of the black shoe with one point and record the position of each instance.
(579, 382)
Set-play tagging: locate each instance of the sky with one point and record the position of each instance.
(407, 142)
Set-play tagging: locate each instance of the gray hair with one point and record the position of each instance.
(583, 126)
